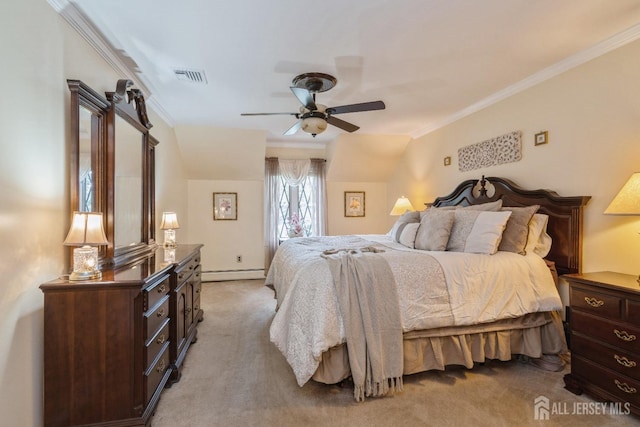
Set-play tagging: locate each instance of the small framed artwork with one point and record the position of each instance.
(541, 138)
(225, 206)
(447, 161)
(353, 203)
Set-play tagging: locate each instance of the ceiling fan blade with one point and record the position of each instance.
(268, 114)
(305, 97)
(353, 108)
(342, 124)
(293, 129)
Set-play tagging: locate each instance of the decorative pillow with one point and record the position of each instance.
(442, 208)
(539, 241)
(490, 206)
(408, 234)
(434, 230)
(514, 237)
(405, 218)
(477, 231)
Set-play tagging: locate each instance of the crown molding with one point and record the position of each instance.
(87, 30)
(629, 35)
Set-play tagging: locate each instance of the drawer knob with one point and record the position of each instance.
(624, 335)
(625, 387)
(160, 367)
(594, 302)
(161, 339)
(624, 361)
(160, 313)
(162, 289)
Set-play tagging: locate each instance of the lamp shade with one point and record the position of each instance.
(402, 205)
(169, 221)
(86, 230)
(627, 201)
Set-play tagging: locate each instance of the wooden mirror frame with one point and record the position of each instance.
(129, 105)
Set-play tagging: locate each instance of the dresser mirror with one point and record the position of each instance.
(111, 164)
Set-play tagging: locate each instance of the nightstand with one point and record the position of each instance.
(605, 337)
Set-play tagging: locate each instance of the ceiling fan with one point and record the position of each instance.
(313, 118)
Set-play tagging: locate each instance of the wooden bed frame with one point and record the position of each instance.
(565, 214)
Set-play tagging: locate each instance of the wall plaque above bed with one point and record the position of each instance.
(496, 151)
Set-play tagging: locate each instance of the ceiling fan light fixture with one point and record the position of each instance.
(314, 125)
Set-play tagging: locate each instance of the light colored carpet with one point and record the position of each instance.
(234, 376)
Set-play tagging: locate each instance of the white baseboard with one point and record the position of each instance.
(219, 276)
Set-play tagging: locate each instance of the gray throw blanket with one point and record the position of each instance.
(368, 300)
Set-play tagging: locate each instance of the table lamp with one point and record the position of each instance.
(627, 201)
(402, 205)
(169, 225)
(87, 232)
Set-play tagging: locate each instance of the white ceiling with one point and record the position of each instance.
(430, 61)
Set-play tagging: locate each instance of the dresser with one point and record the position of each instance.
(112, 345)
(605, 337)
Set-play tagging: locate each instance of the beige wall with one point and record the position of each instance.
(40, 51)
(592, 114)
(225, 240)
(376, 209)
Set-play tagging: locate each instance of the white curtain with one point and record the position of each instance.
(271, 183)
(294, 171)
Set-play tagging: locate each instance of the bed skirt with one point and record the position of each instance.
(532, 335)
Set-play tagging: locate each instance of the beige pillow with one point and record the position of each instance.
(477, 231)
(514, 237)
(434, 230)
(489, 206)
(408, 235)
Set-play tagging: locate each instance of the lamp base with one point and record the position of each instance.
(169, 238)
(85, 275)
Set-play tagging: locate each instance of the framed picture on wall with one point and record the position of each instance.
(225, 206)
(353, 203)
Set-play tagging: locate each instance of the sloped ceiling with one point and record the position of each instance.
(210, 153)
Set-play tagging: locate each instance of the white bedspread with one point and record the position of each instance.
(435, 289)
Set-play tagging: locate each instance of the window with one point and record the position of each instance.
(307, 200)
(298, 200)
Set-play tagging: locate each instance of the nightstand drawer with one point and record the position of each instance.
(623, 336)
(620, 361)
(622, 387)
(599, 304)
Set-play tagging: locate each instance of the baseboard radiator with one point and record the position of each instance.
(224, 275)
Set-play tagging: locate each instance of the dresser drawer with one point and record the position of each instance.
(184, 272)
(618, 335)
(156, 343)
(594, 302)
(620, 386)
(153, 375)
(156, 317)
(614, 359)
(154, 293)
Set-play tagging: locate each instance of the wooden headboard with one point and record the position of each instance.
(565, 213)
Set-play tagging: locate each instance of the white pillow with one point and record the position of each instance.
(539, 241)
(408, 234)
(477, 231)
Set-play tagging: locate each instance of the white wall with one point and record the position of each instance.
(592, 114)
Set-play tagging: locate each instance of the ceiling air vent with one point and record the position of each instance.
(194, 76)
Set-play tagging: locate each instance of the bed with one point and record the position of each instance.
(483, 295)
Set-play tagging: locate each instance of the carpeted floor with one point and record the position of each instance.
(234, 376)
